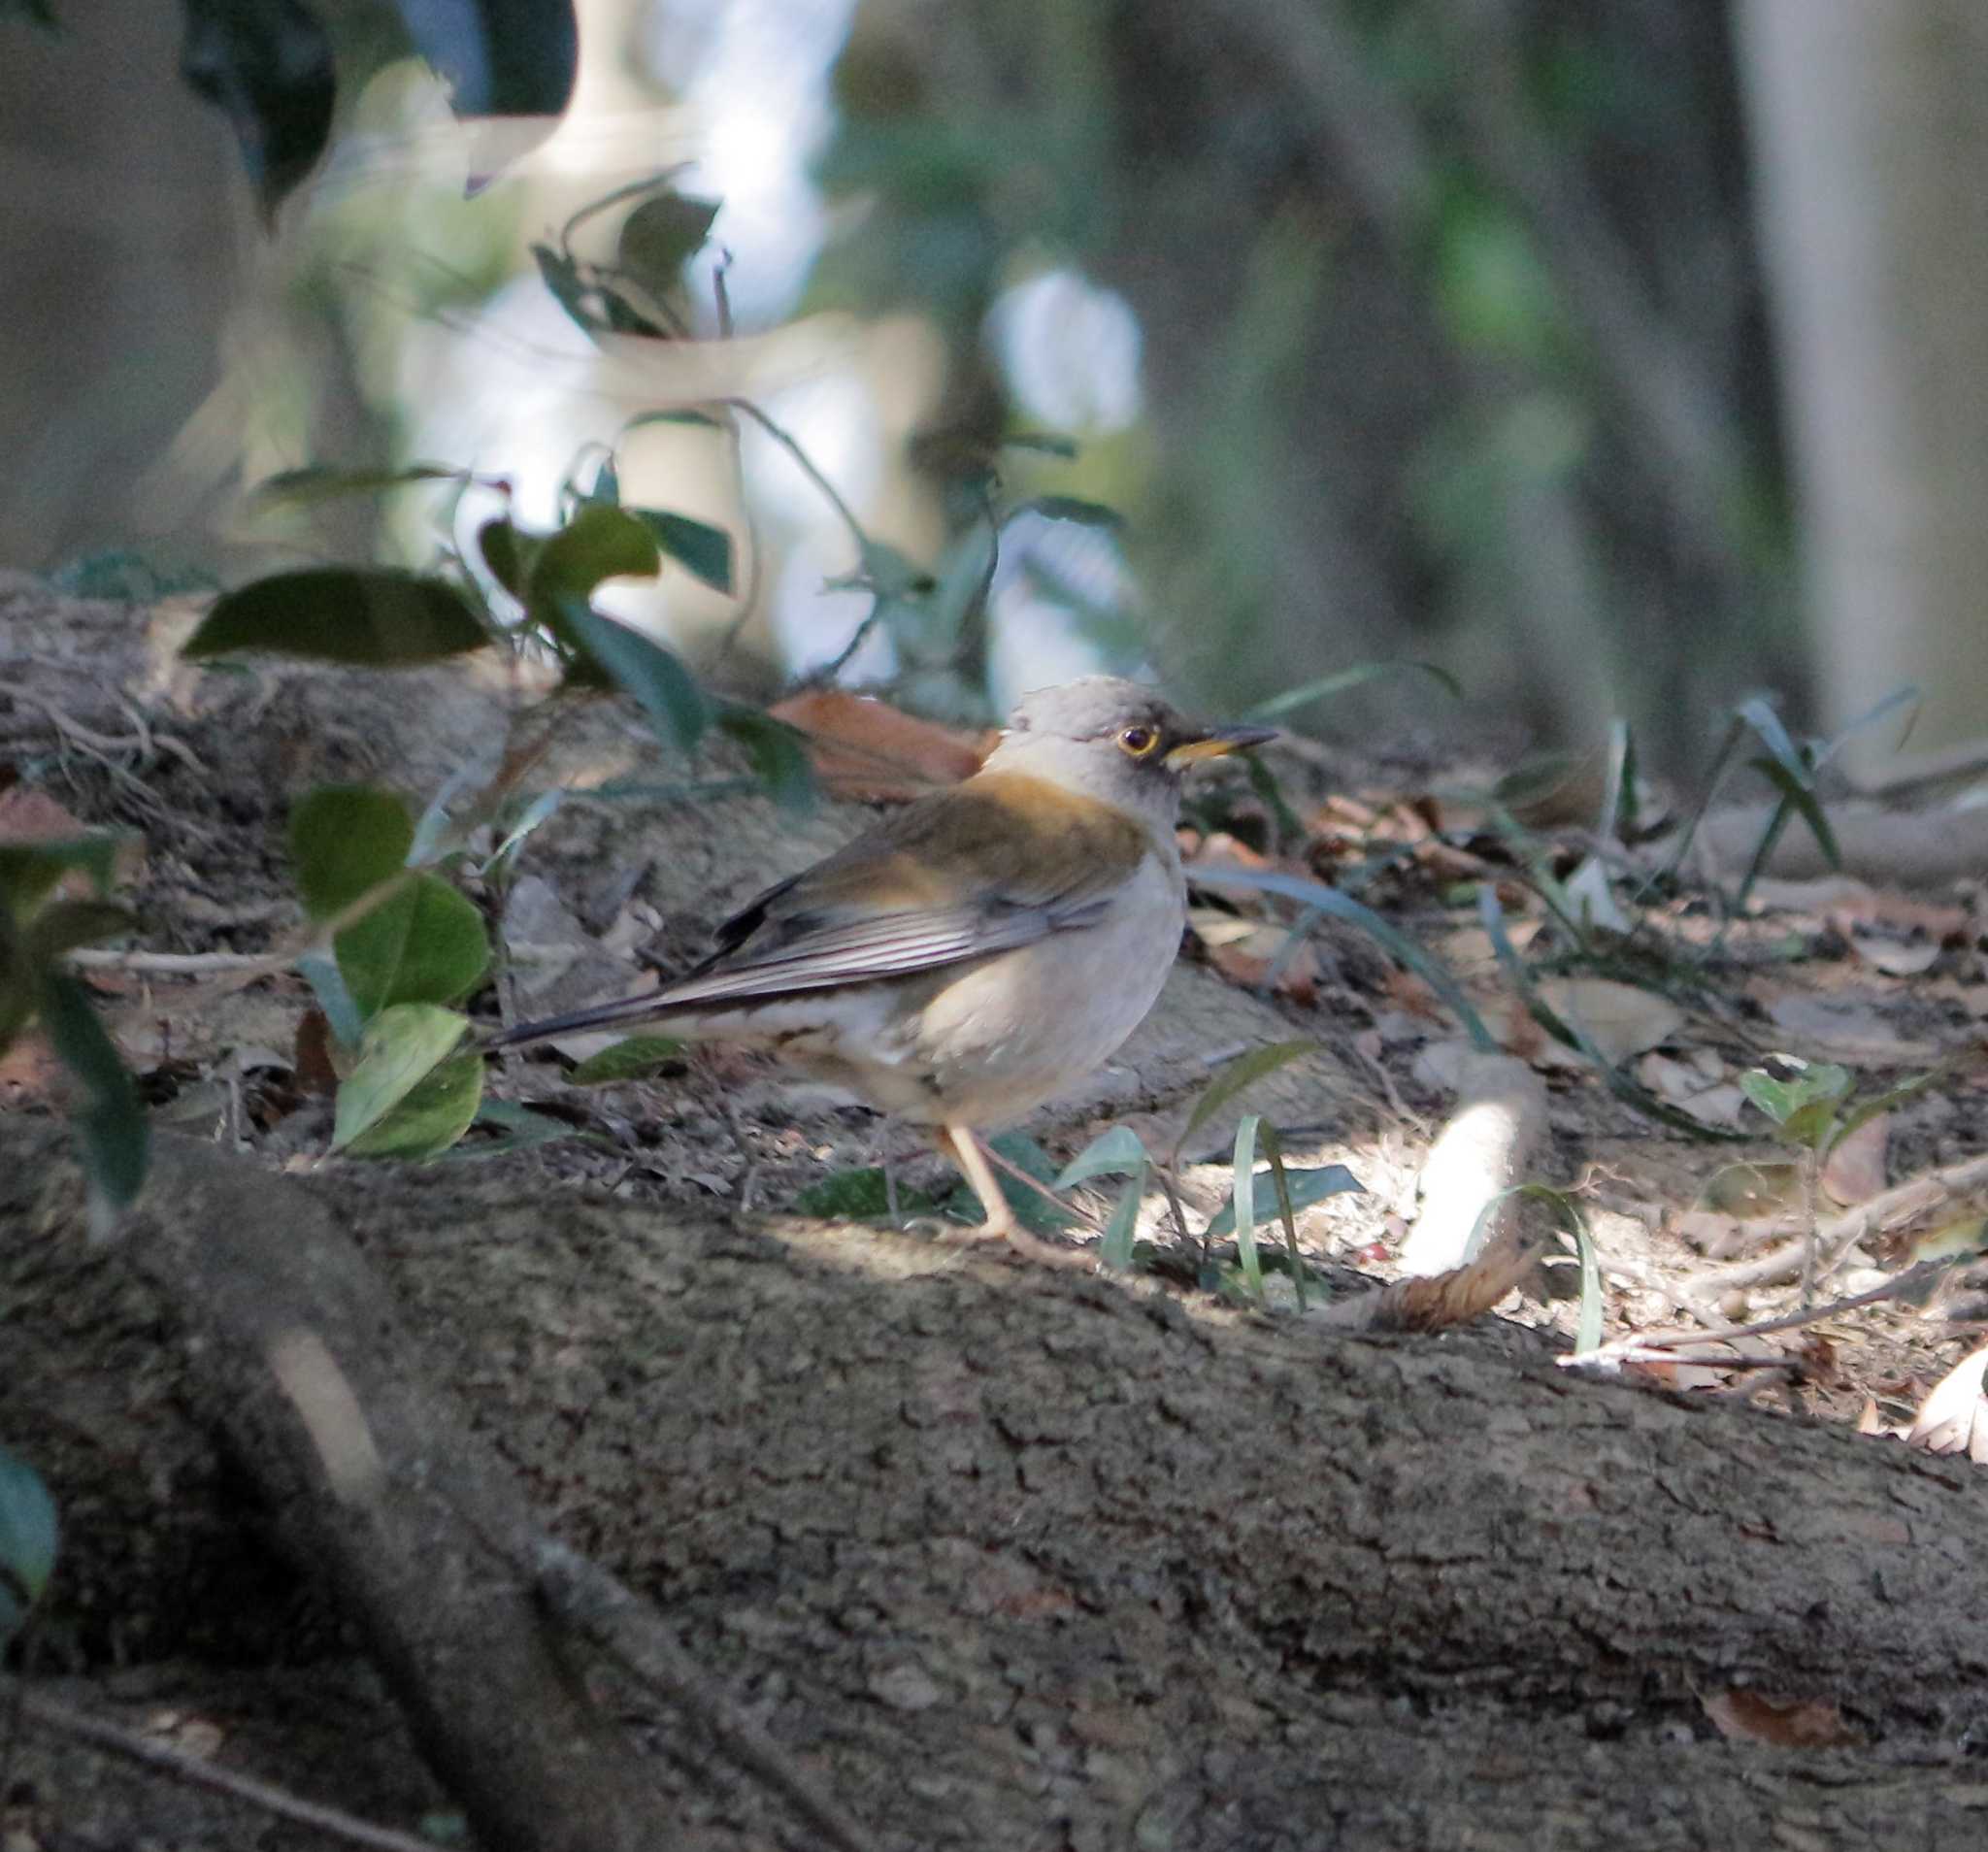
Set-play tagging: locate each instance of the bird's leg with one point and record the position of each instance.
(1000, 1223)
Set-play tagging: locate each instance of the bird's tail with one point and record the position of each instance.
(625, 1010)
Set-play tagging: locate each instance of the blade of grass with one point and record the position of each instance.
(1397, 945)
(1569, 1035)
(1274, 1149)
(1245, 1205)
(1114, 1251)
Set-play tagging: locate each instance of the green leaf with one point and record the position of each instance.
(858, 1196)
(696, 546)
(1306, 1184)
(599, 543)
(1324, 688)
(401, 1047)
(507, 553)
(268, 70)
(345, 839)
(1274, 1149)
(111, 1122)
(30, 1538)
(1236, 1077)
(634, 1058)
(499, 59)
(29, 870)
(318, 483)
(1242, 1203)
(778, 754)
(1035, 1212)
(370, 615)
(319, 970)
(561, 276)
(664, 689)
(1114, 1251)
(65, 924)
(1396, 943)
(425, 946)
(430, 1117)
(660, 236)
(1821, 1083)
(522, 1128)
(1118, 1152)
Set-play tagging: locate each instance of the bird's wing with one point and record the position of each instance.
(993, 864)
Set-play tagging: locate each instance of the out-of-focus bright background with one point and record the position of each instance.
(1620, 357)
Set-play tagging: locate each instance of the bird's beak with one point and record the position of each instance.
(1217, 740)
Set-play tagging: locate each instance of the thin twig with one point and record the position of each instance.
(1660, 1346)
(1040, 1188)
(116, 1741)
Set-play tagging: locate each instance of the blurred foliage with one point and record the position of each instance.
(1409, 274)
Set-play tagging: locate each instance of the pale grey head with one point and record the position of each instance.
(1115, 741)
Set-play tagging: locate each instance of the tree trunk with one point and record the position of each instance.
(1871, 141)
(1019, 1561)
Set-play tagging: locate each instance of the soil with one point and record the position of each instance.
(1011, 1557)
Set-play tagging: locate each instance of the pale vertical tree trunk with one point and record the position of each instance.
(1870, 123)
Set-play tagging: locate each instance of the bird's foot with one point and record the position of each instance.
(1028, 1246)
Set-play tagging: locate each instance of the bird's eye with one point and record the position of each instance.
(1138, 740)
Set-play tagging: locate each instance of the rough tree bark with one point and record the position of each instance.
(1022, 1560)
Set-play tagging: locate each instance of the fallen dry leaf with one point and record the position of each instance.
(1619, 1019)
(1854, 1172)
(1782, 1723)
(867, 750)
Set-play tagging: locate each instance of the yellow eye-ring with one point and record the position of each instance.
(1138, 740)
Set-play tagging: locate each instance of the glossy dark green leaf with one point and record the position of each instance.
(520, 1130)
(29, 871)
(599, 543)
(267, 66)
(660, 236)
(426, 944)
(499, 58)
(345, 839)
(507, 553)
(701, 549)
(634, 1058)
(30, 1539)
(401, 1047)
(65, 924)
(666, 691)
(111, 1122)
(431, 1116)
(561, 276)
(372, 616)
(780, 755)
